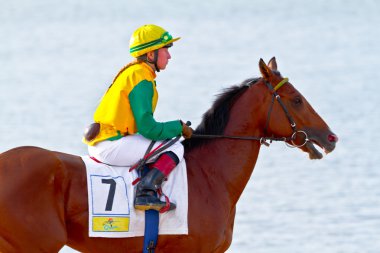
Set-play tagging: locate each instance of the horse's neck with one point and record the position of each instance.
(230, 163)
(227, 164)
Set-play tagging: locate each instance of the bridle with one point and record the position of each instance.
(267, 140)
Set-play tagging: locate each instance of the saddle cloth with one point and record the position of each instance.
(111, 195)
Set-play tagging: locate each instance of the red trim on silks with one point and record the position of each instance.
(165, 164)
(132, 168)
(96, 160)
(136, 181)
(167, 201)
(167, 206)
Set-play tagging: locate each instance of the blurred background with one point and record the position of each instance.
(57, 58)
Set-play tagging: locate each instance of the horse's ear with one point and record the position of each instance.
(272, 64)
(266, 72)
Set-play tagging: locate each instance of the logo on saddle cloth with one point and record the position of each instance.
(110, 224)
(110, 204)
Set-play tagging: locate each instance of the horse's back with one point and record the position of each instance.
(30, 169)
(32, 195)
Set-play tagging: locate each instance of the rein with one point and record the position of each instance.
(264, 140)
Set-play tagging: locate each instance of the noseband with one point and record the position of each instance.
(268, 139)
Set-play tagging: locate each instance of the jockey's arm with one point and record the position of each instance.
(141, 104)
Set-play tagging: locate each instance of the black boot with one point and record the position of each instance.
(146, 192)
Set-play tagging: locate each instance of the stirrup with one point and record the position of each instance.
(153, 203)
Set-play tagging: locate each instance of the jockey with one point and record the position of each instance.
(124, 124)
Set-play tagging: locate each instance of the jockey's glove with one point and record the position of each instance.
(187, 131)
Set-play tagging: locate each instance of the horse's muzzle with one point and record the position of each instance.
(325, 139)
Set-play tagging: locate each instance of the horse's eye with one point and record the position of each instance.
(297, 100)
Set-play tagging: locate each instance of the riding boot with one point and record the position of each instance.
(146, 190)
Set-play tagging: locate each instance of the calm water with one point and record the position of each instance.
(57, 58)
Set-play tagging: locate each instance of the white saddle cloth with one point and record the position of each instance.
(111, 195)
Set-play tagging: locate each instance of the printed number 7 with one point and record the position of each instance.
(111, 193)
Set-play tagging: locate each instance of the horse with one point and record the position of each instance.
(43, 193)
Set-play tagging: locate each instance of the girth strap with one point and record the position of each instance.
(151, 224)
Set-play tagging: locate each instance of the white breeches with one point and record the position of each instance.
(129, 150)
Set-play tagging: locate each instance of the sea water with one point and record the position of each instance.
(58, 57)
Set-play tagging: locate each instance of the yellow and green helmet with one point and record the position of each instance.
(148, 38)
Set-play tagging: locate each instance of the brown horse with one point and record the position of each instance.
(43, 194)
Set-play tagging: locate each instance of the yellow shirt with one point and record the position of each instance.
(114, 112)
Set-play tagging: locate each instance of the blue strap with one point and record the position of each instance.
(151, 231)
(151, 224)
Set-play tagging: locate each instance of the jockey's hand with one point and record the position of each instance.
(186, 131)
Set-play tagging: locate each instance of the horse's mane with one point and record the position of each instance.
(214, 121)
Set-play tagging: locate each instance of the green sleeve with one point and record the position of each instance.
(140, 99)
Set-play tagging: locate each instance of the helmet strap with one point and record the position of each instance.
(155, 60)
(145, 57)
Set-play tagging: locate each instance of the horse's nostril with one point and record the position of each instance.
(332, 138)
